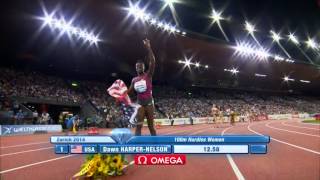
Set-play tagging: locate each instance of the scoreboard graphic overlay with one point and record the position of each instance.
(227, 144)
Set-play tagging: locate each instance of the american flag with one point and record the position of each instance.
(129, 109)
(76, 148)
(117, 90)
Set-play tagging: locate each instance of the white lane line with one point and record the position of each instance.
(125, 166)
(21, 152)
(295, 132)
(285, 124)
(226, 129)
(283, 142)
(28, 144)
(234, 166)
(55, 159)
(33, 164)
(199, 130)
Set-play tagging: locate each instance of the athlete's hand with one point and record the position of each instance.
(146, 43)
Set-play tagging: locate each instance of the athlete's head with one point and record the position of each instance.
(140, 67)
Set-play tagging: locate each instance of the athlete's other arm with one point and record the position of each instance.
(151, 58)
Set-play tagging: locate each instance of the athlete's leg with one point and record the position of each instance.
(140, 117)
(150, 119)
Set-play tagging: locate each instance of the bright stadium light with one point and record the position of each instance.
(197, 64)
(311, 43)
(184, 33)
(206, 66)
(293, 38)
(234, 71)
(166, 27)
(48, 20)
(160, 24)
(216, 16)
(305, 81)
(138, 13)
(172, 29)
(146, 17)
(286, 78)
(249, 27)
(263, 54)
(133, 10)
(153, 21)
(66, 27)
(260, 75)
(188, 63)
(169, 2)
(248, 50)
(289, 60)
(278, 58)
(276, 37)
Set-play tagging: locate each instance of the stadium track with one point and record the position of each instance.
(293, 153)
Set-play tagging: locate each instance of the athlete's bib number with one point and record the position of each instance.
(140, 86)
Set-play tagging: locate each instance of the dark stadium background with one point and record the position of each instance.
(24, 48)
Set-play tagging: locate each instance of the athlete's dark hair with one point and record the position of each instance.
(140, 61)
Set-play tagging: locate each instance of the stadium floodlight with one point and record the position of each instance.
(305, 81)
(180, 62)
(286, 78)
(48, 20)
(147, 17)
(137, 12)
(133, 10)
(260, 75)
(188, 63)
(169, 2)
(75, 31)
(249, 27)
(206, 66)
(234, 71)
(263, 54)
(197, 64)
(66, 27)
(293, 38)
(278, 58)
(245, 48)
(275, 36)
(160, 24)
(172, 29)
(166, 27)
(289, 60)
(153, 21)
(311, 43)
(184, 33)
(216, 16)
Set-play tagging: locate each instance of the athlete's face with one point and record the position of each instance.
(139, 68)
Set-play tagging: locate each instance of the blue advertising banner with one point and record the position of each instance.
(6, 130)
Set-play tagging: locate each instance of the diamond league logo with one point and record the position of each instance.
(121, 135)
(7, 130)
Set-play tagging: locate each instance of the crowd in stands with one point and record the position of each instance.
(33, 84)
(168, 100)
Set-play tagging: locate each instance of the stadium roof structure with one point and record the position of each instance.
(195, 42)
